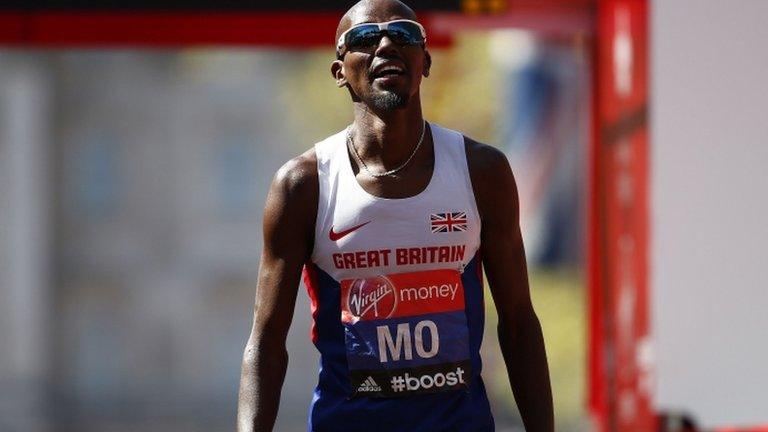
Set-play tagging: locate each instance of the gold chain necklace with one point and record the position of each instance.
(351, 142)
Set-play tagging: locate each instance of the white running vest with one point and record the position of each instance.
(360, 235)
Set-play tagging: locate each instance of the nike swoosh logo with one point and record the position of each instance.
(334, 236)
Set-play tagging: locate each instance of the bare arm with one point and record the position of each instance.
(289, 220)
(520, 336)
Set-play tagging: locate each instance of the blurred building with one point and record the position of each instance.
(135, 183)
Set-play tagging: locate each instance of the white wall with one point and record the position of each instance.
(710, 208)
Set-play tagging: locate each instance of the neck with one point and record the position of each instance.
(387, 138)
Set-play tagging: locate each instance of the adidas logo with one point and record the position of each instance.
(369, 385)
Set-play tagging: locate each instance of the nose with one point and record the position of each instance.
(385, 45)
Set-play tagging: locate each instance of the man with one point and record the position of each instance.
(389, 219)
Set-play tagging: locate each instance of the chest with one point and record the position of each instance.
(361, 232)
(374, 236)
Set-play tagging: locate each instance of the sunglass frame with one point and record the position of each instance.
(341, 43)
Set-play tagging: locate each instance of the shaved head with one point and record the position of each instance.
(369, 10)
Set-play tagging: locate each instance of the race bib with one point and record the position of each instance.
(406, 333)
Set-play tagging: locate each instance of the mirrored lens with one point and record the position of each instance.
(405, 33)
(363, 36)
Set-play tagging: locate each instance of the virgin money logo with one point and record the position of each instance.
(371, 298)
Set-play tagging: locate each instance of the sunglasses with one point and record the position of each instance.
(365, 35)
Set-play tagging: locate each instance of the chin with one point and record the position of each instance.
(389, 100)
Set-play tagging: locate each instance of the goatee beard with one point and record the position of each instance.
(387, 100)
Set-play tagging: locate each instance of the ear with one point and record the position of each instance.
(427, 63)
(337, 70)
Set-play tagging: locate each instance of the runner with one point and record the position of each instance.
(389, 219)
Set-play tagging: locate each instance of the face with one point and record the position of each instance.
(385, 76)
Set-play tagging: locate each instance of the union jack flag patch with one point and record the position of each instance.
(448, 222)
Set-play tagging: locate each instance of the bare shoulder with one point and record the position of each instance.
(298, 177)
(491, 176)
(481, 157)
(291, 207)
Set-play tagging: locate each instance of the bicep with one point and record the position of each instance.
(502, 243)
(287, 246)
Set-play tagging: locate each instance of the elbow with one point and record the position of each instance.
(522, 322)
(263, 354)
